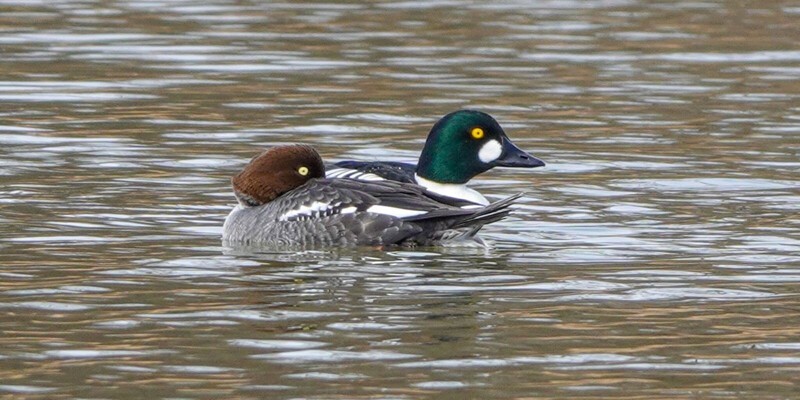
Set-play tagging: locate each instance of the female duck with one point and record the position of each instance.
(284, 200)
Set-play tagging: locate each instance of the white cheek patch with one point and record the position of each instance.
(490, 151)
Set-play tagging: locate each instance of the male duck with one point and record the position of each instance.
(461, 145)
(285, 200)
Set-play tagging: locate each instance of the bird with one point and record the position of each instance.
(461, 145)
(285, 200)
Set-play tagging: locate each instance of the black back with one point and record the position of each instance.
(390, 170)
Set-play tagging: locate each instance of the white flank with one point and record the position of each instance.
(303, 210)
(490, 151)
(394, 211)
(347, 210)
(454, 190)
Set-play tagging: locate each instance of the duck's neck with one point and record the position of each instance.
(246, 200)
(454, 190)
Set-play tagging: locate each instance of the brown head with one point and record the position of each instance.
(275, 172)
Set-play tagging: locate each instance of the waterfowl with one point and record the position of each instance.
(285, 200)
(460, 146)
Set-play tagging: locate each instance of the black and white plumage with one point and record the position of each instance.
(344, 212)
(371, 171)
(284, 200)
(460, 146)
(382, 170)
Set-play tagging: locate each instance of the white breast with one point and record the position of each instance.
(454, 190)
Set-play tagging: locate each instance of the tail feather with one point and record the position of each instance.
(461, 224)
(492, 213)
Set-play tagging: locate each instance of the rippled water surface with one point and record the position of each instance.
(656, 256)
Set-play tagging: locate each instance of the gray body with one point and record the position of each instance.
(345, 221)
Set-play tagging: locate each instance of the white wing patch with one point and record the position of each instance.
(490, 151)
(316, 209)
(395, 211)
(352, 174)
(337, 172)
(319, 209)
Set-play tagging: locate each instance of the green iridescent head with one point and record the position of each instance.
(466, 143)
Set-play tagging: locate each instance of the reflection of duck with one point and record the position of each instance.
(461, 145)
(284, 199)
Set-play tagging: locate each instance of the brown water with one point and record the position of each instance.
(657, 255)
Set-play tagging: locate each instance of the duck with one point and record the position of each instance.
(461, 145)
(285, 200)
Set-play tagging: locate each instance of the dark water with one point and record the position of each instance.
(657, 256)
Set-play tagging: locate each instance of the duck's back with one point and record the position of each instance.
(389, 170)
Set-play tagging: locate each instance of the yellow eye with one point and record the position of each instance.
(303, 171)
(477, 133)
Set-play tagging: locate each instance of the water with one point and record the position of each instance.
(657, 256)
